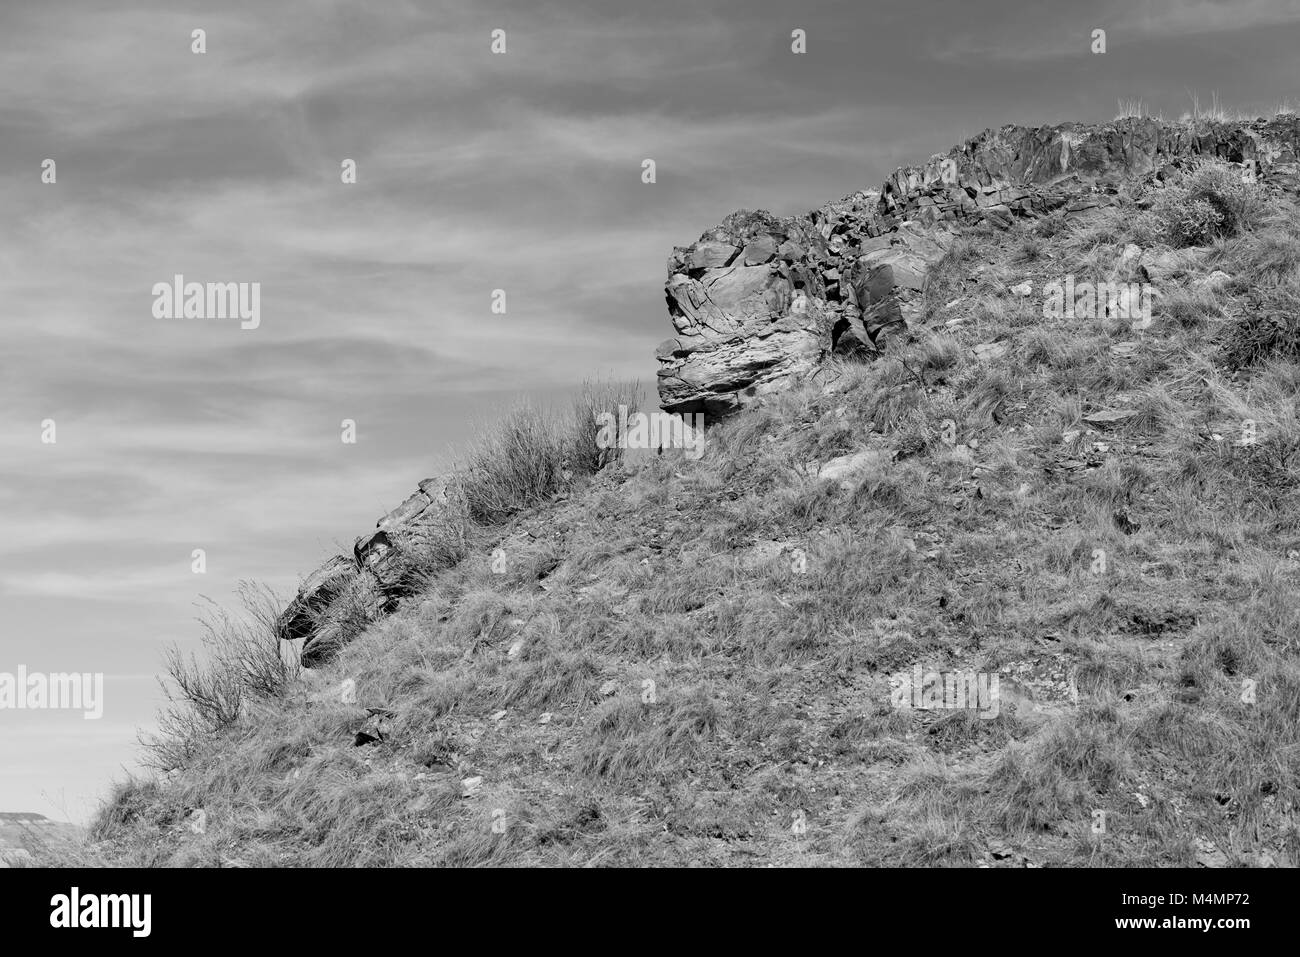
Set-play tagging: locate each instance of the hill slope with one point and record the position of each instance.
(665, 661)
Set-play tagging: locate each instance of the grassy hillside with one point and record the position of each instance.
(671, 662)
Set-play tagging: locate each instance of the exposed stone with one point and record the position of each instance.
(318, 590)
(760, 300)
(988, 351)
(1166, 265)
(842, 468)
(760, 251)
(1109, 417)
(711, 255)
(366, 585)
(1214, 280)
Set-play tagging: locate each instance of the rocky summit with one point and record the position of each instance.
(761, 301)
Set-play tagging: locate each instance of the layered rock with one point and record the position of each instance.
(747, 302)
(760, 299)
(367, 584)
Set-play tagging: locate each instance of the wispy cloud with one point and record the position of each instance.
(1055, 30)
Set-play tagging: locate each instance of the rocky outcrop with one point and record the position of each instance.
(748, 303)
(349, 590)
(760, 299)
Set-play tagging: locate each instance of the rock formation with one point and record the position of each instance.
(761, 299)
(366, 584)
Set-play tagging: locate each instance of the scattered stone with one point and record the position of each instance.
(1000, 849)
(1214, 280)
(988, 351)
(842, 467)
(1109, 417)
(1208, 854)
(470, 786)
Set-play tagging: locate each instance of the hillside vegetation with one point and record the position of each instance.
(649, 660)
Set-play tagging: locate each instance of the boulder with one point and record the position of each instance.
(741, 331)
(844, 467)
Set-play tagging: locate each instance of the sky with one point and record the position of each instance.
(475, 171)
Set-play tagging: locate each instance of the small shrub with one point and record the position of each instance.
(1271, 328)
(1211, 201)
(531, 454)
(245, 661)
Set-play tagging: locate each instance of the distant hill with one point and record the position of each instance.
(24, 834)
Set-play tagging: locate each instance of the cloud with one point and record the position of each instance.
(1055, 30)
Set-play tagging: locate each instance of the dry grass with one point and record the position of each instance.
(689, 662)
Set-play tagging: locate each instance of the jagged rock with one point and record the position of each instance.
(762, 300)
(888, 282)
(712, 255)
(742, 331)
(344, 592)
(318, 590)
(360, 600)
(760, 251)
